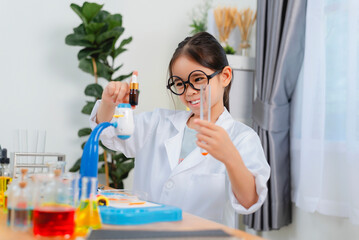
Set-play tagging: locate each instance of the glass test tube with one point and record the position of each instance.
(205, 107)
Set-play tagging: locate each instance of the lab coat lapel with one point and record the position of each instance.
(173, 144)
(226, 121)
(194, 158)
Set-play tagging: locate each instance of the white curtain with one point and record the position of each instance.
(325, 116)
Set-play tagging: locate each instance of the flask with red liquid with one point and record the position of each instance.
(54, 213)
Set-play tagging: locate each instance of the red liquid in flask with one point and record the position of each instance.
(54, 221)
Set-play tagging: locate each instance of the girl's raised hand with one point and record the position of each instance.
(215, 140)
(116, 92)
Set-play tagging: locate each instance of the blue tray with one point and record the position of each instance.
(136, 216)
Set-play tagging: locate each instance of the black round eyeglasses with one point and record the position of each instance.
(195, 79)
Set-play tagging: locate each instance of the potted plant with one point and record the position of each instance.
(199, 17)
(99, 38)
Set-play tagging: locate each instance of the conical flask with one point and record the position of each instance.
(87, 213)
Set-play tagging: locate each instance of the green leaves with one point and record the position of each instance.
(101, 16)
(84, 132)
(103, 70)
(94, 28)
(99, 35)
(80, 40)
(114, 34)
(87, 12)
(94, 90)
(229, 50)
(121, 48)
(120, 169)
(123, 168)
(88, 52)
(90, 10)
(87, 109)
(113, 21)
(77, 9)
(198, 26)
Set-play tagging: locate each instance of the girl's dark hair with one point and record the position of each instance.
(206, 50)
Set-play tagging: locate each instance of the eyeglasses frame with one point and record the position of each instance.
(186, 83)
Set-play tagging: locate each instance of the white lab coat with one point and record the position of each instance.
(199, 184)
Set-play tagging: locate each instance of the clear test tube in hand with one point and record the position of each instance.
(205, 107)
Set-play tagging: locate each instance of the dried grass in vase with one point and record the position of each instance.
(225, 22)
(244, 20)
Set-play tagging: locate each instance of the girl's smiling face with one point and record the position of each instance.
(182, 67)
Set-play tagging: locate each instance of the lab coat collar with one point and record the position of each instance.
(179, 119)
(173, 145)
(225, 120)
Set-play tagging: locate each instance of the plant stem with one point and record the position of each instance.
(106, 168)
(94, 69)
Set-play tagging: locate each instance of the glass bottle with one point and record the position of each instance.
(5, 176)
(0, 162)
(18, 203)
(19, 209)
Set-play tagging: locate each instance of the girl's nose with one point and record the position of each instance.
(190, 90)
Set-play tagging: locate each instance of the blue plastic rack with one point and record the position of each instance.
(136, 216)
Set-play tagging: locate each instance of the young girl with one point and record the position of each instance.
(169, 165)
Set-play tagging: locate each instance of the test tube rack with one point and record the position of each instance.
(61, 158)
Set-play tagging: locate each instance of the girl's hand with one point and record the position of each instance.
(115, 93)
(215, 140)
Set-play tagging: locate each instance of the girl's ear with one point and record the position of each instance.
(226, 76)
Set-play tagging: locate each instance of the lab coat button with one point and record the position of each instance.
(169, 184)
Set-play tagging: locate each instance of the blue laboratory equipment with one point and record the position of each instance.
(140, 215)
(124, 127)
(126, 207)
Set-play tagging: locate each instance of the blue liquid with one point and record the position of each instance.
(22, 218)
